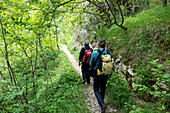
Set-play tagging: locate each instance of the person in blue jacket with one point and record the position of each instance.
(100, 81)
(85, 67)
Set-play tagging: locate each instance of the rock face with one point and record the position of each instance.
(86, 32)
(80, 35)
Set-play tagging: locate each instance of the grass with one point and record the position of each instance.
(66, 94)
(69, 96)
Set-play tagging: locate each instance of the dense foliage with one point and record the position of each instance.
(34, 77)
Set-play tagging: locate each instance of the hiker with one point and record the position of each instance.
(84, 57)
(100, 75)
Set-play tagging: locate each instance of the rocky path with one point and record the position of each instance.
(91, 99)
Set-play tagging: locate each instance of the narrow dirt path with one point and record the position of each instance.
(91, 99)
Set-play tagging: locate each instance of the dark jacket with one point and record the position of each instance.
(82, 52)
(85, 66)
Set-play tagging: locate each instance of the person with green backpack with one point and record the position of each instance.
(101, 62)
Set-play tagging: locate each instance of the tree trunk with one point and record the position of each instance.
(56, 36)
(6, 56)
(165, 2)
(145, 4)
(31, 61)
(12, 77)
(42, 56)
(133, 3)
(148, 3)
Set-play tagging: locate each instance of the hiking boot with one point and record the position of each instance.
(103, 109)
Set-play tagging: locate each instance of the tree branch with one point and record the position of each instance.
(24, 51)
(115, 20)
(102, 10)
(121, 14)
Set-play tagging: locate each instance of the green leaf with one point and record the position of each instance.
(157, 94)
(156, 60)
(167, 61)
(164, 92)
(3, 81)
(153, 69)
(159, 65)
(156, 87)
(19, 93)
(154, 73)
(168, 95)
(167, 75)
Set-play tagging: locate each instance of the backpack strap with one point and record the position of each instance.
(100, 53)
(107, 52)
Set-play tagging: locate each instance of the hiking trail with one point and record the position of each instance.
(93, 105)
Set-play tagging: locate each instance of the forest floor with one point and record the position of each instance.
(93, 105)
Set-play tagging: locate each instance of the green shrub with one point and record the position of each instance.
(150, 78)
(58, 89)
(118, 92)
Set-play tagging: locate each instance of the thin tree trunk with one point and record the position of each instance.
(50, 79)
(31, 61)
(133, 3)
(33, 72)
(145, 4)
(56, 35)
(6, 55)
(165, 2)
(43, 60)
(0, 71)
(12, 77)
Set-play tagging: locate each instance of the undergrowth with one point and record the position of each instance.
(69, 94)
(118, 92)
(57, 89)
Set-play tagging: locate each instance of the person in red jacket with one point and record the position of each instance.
(84, 57)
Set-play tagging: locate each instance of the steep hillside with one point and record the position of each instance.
(144, 48)
(141, 56)
(147, 35)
